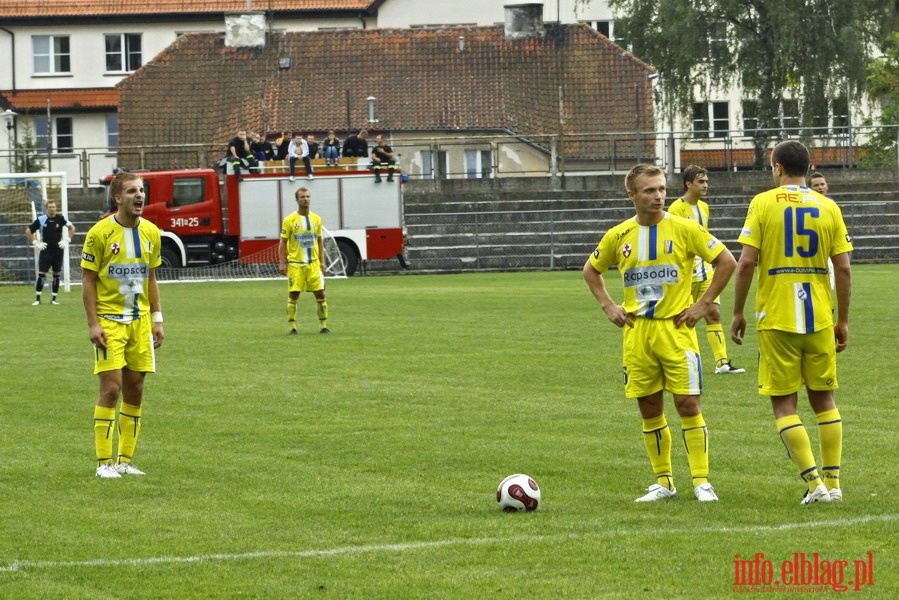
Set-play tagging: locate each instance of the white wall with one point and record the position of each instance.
(87, 48)
(405, 13)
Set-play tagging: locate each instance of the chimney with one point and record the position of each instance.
(243, 30)
(524, 21)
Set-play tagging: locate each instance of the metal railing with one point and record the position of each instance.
(501, 154)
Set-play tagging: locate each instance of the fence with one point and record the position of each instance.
(487, 155)
(562, 239)
(522, 239)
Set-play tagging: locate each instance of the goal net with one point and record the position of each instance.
(23, 197)
(262, 265)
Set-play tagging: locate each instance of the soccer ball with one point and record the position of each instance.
(518, 493)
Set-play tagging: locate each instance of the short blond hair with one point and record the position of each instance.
(630, 180)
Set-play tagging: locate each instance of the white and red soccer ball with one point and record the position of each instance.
(518, 493)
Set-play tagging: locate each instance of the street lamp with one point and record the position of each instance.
(10, 116)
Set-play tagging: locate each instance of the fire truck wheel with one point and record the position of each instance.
(169, 258)
(350, 258)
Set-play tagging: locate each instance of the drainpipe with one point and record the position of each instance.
(12, 55)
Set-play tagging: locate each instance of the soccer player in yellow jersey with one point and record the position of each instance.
(124, 319)
(301, 251)
(654, 252)
(790, 231)
(692, 206)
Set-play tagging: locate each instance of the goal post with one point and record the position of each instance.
(335, 268)
(23, 197)
(258, 266)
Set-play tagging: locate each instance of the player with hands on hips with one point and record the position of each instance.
(654, 253)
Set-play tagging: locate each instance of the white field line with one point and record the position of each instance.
(387, 548)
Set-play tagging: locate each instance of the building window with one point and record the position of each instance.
(433, 164)
(720, 119)
(607, 28)
(61, 138)
(839, 110)
(441, 164)
(750, 117)
(477, 164)
(717, 42)
(604, 27)
(112, 131)
(711, 119)
(819, 123)
(427, 164)
(51, 55)
(700, 119)
(123, 52)
(789, 116)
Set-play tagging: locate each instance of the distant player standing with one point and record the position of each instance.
(818, 182)
(692, 206)
(56, 233)
(301, 251)
(124, 318)
(654, 253)
(790, 231)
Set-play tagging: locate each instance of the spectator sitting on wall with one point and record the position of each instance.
(313, 146)
(239, 151)
(331, 149)
(355, 144)
(382, 154)
(261, 148)
(282, 144)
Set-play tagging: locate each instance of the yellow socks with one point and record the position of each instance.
(717, 341)
(322, 309)
(657, 438)
(292, 313)
(696, 443)
(104, 422)
(830, 435)
(799, 449)
(129, 429)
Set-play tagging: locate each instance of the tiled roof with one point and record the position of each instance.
(78, 99)
(200, 90)
(84, 8)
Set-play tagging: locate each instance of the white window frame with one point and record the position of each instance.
(124, 53)
(112, 132)
(51, 55)
(434, 164)
(713, 123)
(716, 42)
(40, 135)
(475, 167)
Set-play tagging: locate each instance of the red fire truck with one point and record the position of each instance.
(208, 218)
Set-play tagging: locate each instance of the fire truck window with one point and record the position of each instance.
(187, 191)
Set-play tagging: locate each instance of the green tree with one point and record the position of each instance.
(883, 85)
(774, 48)
(26, 158)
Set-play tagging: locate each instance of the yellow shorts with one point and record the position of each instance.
(127, 345)
(660, 356)
(789, 360)
(698, 289)
(304, 278)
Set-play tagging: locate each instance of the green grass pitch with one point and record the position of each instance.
(363, 464)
